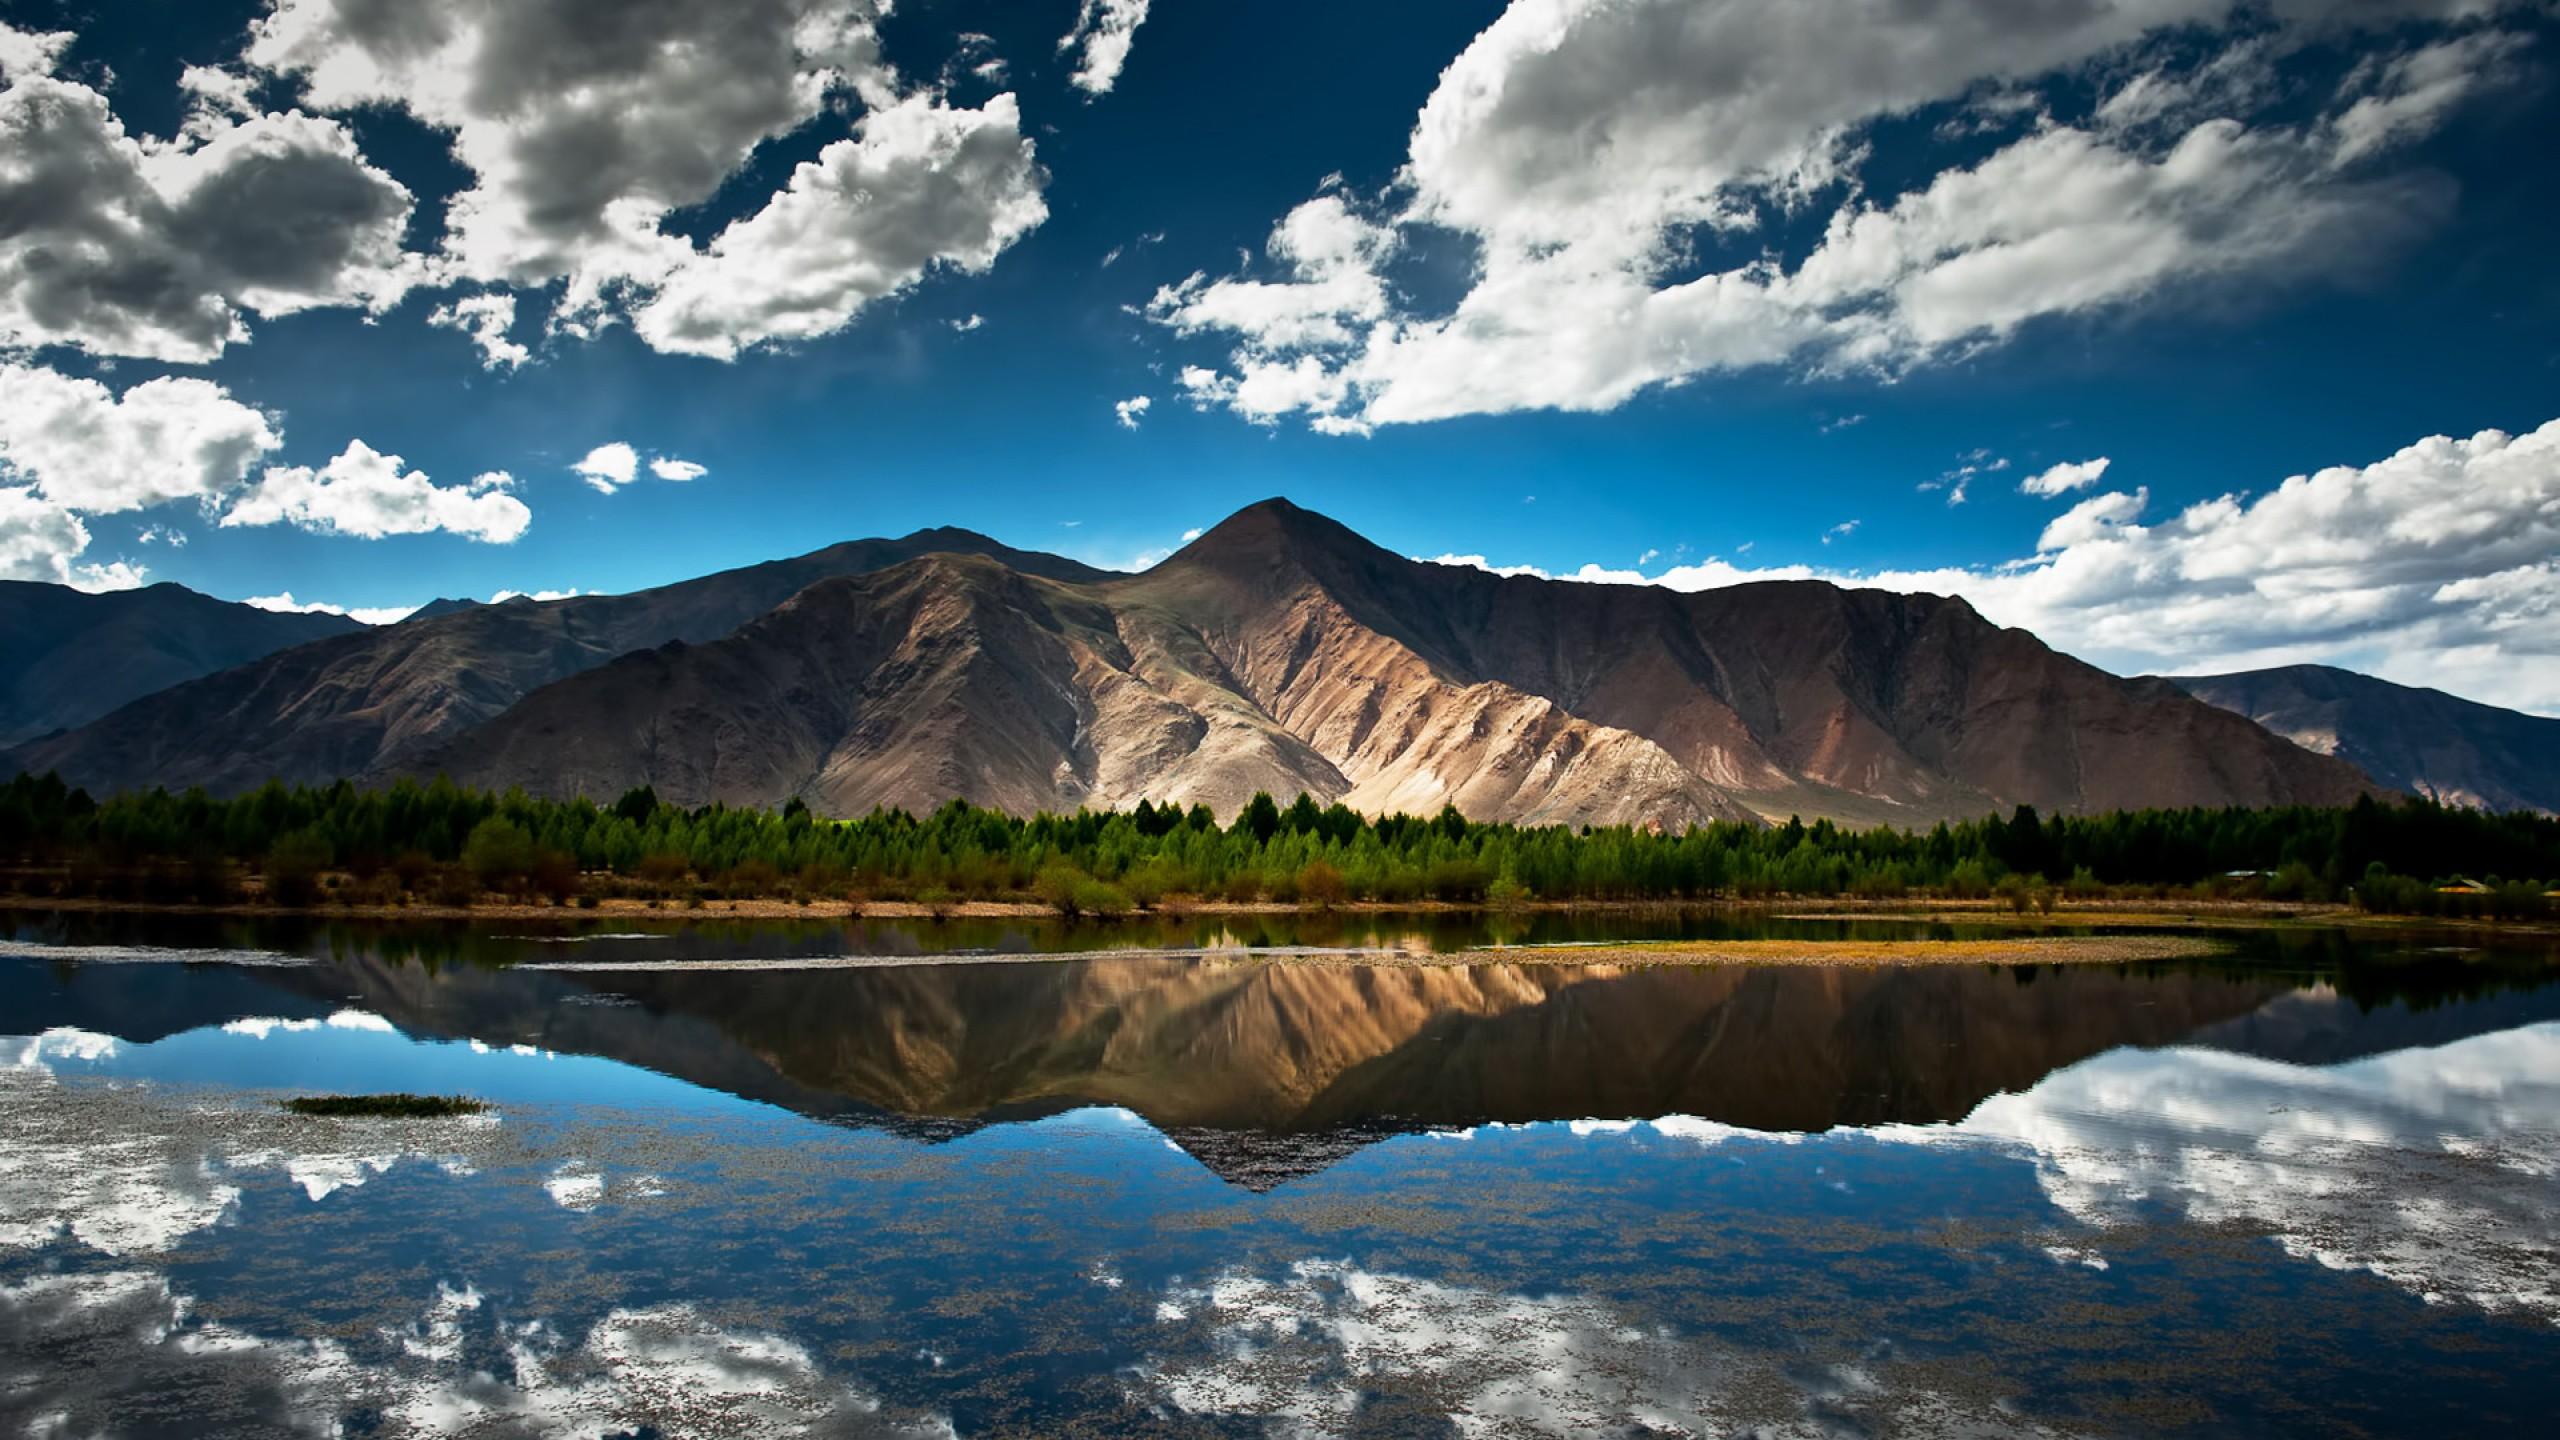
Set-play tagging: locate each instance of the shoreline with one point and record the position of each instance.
(1626, 955)
(1779, 907)
(2177, 915)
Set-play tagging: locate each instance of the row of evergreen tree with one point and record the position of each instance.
(1302, 851)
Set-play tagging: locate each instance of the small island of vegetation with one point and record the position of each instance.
(384, 1107)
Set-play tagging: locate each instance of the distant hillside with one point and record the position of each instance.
(68, 657)
(2423, 741)
(367, 702)
(1282, 652)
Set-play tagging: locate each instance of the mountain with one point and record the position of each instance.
(1282, 652)
(2424, 741)
(70, 656)
(369, 702)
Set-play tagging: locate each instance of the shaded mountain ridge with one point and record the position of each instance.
(70, 656)
(372, 701)
(2425, 741)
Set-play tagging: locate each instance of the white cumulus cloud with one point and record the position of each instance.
(1614, 166)
(921, 185)
(2064, 478)
(160, 249)
(1131, 410)
(366, 493)
(614, 464)
(283, 603)
(486, 318)
(609, 466)
(1104, 31)
(585, 128)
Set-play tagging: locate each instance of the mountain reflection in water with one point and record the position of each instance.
(1251, 1045)
(1775, 1201)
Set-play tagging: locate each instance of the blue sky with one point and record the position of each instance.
(1655, 284)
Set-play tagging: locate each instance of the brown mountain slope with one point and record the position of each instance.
(67, 657)
(1795, 697)
(954, 675)
(2458, 751)
(1283, 652)
(361, 702)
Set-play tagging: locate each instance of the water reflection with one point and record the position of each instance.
(2437, 1169)
(1251, 1045)
(1174, 1196)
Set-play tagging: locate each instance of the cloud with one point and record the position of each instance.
(78, 448)
(970, 322)
(39, 540)
(585, 128)
(1614, 169)
(1331, 1347)
(369, 494)
(2408, 96)
(1104, 31)
(82, 449)
(614, 464)
(609, 466)
(2432, 566)
(2064, 478)
(159, 249)
(26, 53)
(921, 185)
(486, 318)
(1130, 410)
(2236, 1140)
(174, 438)
(1841, 531)
(283, 603)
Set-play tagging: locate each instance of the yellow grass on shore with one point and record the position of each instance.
(2045, 950)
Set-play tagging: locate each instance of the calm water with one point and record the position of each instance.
(2313, 1188)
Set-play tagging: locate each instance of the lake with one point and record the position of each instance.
(1016, 1178)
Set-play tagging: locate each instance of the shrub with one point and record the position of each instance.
(293, 869)
(499, 853)
(1321, 884)
(1058, 885)
(1095, 897)
(454, 885)
(555, 875)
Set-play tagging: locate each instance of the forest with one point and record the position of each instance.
(448, 844)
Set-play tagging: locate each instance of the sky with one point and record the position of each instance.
(2193, 336)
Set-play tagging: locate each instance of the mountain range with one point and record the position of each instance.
(2424, 741)
(1279, 651)
(70, 657)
